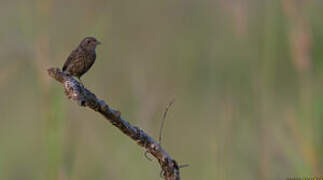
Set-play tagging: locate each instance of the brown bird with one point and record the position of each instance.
(82, 58)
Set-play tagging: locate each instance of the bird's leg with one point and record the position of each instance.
(80, 81)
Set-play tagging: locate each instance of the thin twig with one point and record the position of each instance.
(163, 119)
(183, 166)
(84, 97)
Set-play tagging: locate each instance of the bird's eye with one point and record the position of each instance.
(88, 41)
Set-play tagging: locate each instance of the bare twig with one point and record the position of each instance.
(183, 166)
(86, 98)
(163, 119)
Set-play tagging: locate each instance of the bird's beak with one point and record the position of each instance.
(98, 42)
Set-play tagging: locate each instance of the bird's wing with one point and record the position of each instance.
(70, 59)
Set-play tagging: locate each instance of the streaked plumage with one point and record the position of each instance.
(82, 58)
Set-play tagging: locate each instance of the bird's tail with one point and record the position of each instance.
(64, 68)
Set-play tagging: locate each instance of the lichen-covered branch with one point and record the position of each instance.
(75, 91)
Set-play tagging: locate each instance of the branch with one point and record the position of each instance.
(75, 91)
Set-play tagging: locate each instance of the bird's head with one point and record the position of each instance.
(89, 43)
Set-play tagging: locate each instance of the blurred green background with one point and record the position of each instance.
(246, 74)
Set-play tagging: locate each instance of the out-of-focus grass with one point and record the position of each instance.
(55, 136)
(246, 76)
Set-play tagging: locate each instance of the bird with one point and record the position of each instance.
(82, 58)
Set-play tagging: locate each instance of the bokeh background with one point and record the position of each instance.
(246, 74)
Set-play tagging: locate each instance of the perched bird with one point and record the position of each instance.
(82, 58)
